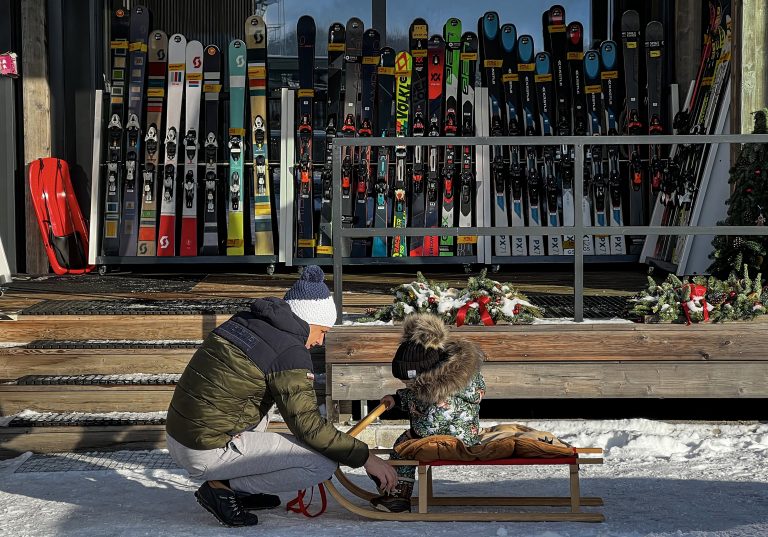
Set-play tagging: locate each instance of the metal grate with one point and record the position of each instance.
(95, 284)
(82, 419)
(595, 307)
(94, 461)
(139, 307)
(134, 379)
(106, 344)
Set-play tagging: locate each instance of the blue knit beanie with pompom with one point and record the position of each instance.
(310, 299)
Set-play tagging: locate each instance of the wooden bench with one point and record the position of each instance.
(571, 361)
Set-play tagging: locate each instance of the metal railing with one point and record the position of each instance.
(579, 143)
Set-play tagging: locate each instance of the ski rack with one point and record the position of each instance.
(579, 143)
(97, 183)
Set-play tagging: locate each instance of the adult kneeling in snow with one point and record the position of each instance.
(217, 420)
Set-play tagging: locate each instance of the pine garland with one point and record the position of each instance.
(502, 302)
(687, 300)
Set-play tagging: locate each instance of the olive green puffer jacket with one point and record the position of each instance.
(251, 361)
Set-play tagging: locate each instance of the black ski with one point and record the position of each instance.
(465, 244)
(353, 55)
(336, 38)
(305, 233)
(598, 180)
(120, 32)
(492, 66)
(545, 93)
(630, 36)
(516, 182)
(137, 62)
(575, 47)
(611, 99)
(385, 128)
(211, 91)
(418, 36)
(364, 206)
(526, 68)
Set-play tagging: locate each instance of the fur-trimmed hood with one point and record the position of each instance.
(460, 360)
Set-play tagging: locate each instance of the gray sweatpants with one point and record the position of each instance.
(256, 461)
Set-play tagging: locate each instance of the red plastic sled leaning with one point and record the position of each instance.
(65, 234)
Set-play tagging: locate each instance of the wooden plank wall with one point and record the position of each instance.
(37, 117)
(588, 361)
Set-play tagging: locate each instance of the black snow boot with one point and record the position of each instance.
(257, 502)
(225, 506)
(400, 499)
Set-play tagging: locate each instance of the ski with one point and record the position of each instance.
(336, 38)
(611, 99)
(516, 182)
(385, 104)
(714, 84)
(194, 76)
(166, 235)
(556, 37)
(364, 192)
(545, 93)
(235, 142)
(157, 72)
(492, 66)
(353, 53)
(418, 36)
(120, 33)
(261, 217)
(526, 68)
(598, 180)
(435, 69)
(211, 91)
(465, 244)
(575, 56)
(403, 66)
(452, 38)
(137, 60)
(630, 36)
(305, 234)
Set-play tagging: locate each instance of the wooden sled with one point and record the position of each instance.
(426, 498)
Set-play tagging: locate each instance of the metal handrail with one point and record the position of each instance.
(577, 230)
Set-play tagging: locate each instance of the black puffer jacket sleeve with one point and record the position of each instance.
(295, 397)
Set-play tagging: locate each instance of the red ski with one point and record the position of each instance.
(65, 235)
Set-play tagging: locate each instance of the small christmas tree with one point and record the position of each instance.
(747, 206)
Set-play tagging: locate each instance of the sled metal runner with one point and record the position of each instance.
(427, 499)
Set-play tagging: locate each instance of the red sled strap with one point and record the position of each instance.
(297, 504)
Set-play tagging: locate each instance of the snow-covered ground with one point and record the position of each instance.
(659, 479)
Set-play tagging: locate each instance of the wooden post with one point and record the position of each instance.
(753, 46)
(37, 117)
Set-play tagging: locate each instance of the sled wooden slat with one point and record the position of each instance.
(426, 497)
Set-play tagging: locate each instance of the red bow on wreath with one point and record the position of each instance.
(482, 303)
(695, 291)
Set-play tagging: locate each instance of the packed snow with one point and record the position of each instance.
(659, 480)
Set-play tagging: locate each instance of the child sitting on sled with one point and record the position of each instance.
(444, 387)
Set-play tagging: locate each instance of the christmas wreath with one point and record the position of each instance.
(483, 301)
(700, 299)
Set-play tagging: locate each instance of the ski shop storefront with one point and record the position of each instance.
(224, 145)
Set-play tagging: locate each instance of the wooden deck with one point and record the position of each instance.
(541, 361)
